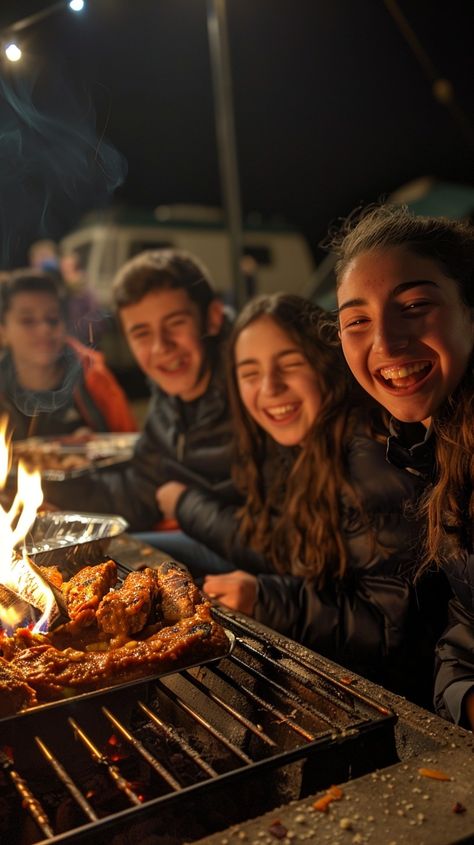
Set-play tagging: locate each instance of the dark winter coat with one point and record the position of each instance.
(190, 442)
(372, 620)
(455, 649)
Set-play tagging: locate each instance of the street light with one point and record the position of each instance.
(12, 51)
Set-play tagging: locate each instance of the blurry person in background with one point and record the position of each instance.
(51, 384)
(176, 328)
(406, 316)
(328, 515)
(86, 320)
(44, 255)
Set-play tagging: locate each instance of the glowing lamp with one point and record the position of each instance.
(76, 5)
(12, 52)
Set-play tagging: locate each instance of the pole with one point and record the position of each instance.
(225, 131)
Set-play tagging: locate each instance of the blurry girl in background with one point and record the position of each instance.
(323, 508)
(406, 313)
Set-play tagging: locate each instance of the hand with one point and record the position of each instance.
(469, 708)
(236, 590)
(167, 497)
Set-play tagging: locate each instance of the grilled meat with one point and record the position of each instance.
(15, 693)
(52, 574)
(85, 590)
(179, 594)
(74, 658)
(127, 610)
(54, 673)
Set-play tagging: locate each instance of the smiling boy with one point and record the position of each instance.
(175, 326)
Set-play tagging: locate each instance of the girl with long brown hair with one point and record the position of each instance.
(322, 506)
(406, 315)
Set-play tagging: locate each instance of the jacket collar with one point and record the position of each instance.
(410, 446)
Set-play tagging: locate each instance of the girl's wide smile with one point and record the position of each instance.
(283, 413)
(403, 376)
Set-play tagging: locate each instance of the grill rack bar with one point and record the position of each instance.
(298, 659)
(66, 779)
(170, 732)
(285, 692)
(112, 770)
(140, 748)
(206, 724)
(230, 710)
(28, 800)
(265, 705)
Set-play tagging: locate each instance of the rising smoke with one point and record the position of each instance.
(54, 164)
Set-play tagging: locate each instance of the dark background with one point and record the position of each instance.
(332, 109)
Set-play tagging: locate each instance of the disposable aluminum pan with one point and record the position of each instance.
(97, 452)
(72, 540)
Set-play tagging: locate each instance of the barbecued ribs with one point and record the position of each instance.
(127, 610)
(53, 673)
(85, 590)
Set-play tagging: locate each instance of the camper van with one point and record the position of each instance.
(105, 240)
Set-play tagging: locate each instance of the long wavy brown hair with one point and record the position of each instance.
(448, 505)
(293, 509)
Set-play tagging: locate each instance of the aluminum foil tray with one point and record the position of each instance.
(91, 453)
(72, 540)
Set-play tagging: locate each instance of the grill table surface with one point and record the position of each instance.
(393, 804)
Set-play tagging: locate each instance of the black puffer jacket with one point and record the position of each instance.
(373, 620)
(455, 649)
(189, 442)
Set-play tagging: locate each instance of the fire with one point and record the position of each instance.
(16, 574)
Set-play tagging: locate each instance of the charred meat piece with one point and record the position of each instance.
(52, 574)
(127, 610)
(179, 594)
(86, 588)
(15, 693)
(54, 673)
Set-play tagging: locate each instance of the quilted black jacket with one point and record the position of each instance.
(455, 649)
(189, 442)
(374, 620)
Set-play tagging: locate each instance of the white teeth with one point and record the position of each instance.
(280, 411)
(175, 365)
(402, 372)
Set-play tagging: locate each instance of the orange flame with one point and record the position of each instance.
(16, 574)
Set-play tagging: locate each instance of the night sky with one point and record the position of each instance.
(331, 109)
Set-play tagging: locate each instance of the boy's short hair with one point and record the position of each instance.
(158, 269)
(29, 280)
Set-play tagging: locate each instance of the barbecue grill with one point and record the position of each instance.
(188, 753)
(175, 759)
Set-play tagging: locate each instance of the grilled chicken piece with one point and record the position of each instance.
(85, 590)
(179, 594)
(127, 610)
(15, 693)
